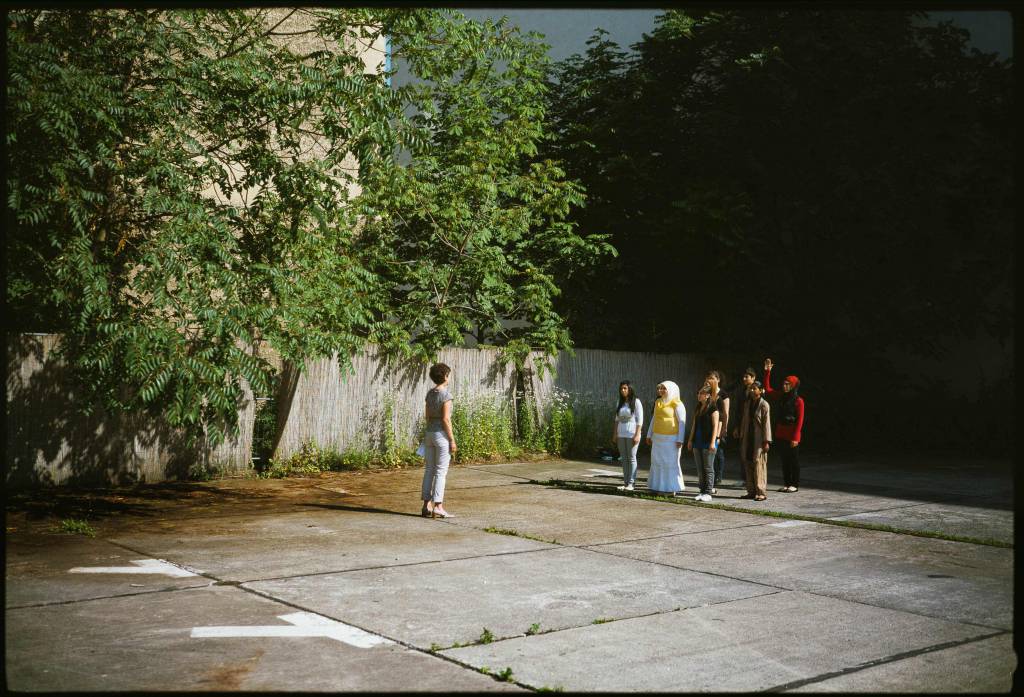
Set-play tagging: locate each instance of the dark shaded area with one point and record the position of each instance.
(829, 188)
(359, 509)
(45, 418)
(907, 475)
(99, 502)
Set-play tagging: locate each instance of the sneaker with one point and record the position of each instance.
(784, 488)
(698, 497)
(707, 497)
(621, 487)
(628, 487)
(714, 491)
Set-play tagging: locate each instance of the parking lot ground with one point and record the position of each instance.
(548, 577)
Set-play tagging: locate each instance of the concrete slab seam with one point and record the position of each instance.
(881, 661)
(668, 534)
(395, 640)
(397, 566)
(874, 527)
(998, 630)
(58, 603)
(693, 571)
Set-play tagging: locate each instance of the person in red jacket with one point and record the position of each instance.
(788, 410)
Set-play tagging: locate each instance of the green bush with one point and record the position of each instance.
(486, 428)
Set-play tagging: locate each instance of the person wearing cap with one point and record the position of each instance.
(788, 411)
(666, 434)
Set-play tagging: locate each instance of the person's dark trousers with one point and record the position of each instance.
(790, 464)
(719, 462)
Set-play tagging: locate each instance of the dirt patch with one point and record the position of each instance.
(231, 675)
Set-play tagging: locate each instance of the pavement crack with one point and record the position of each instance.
(108, 597)
(880, 661)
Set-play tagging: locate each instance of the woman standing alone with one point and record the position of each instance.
(438, 443)
(665, 435)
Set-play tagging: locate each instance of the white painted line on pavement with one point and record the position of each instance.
(305, 624)
(142, 566)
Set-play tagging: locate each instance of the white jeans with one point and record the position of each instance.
(435, 469)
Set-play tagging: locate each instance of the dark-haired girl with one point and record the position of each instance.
(629, 417)
(788, 412)
(703, 441)
(755, 439)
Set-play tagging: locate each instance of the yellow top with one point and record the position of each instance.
(664, 418)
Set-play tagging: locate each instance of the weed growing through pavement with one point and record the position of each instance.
(434, 648)
(534, 629)
(73, 526)
(486, 637)
(516, 533)
(557, 688)
(601, 620)
(505, 675)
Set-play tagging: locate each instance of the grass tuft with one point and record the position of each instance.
(73, 526)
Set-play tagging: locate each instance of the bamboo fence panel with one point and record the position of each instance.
(51, 440)
(343, 411)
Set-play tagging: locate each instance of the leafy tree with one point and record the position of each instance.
(185, 186)
(826, 185)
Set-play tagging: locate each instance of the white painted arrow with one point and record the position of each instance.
(304, 624)
(602, 473)
(142, 566)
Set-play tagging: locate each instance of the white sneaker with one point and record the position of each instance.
(707, 498)
(621, 487)
(698, 497)
(628, 487)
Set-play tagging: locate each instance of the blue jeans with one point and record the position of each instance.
(627, 456)
(705, 461)
(719, 463)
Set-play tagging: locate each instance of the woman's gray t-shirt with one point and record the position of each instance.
(436, 398)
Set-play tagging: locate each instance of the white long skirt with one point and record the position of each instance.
(666, 474)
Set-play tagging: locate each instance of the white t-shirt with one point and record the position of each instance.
(627, 422)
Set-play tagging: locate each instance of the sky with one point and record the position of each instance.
(567, 30)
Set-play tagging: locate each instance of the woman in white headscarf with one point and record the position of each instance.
(666, 435)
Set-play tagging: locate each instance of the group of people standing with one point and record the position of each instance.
(757, 413)
(750, 413)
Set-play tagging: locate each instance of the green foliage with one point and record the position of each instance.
(205, 471)
(534, 629)
(486, 637)
(484, 430)
(505, 675)
(313, 459)
(576, 424)
(188, 185)
(601, 620)
(73, 526)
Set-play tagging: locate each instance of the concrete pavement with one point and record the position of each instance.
(336, 583)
